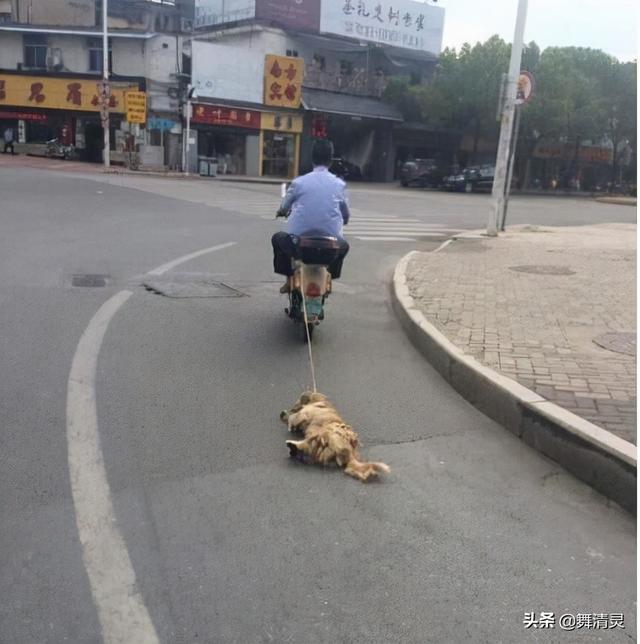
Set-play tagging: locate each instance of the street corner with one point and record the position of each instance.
(518, 330)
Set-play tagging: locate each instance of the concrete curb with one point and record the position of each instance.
(597, 457)
(620, 201)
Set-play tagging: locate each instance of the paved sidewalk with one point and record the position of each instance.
(553, 308)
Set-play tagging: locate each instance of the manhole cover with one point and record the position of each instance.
(543, 269)
(90, 281)
(184, 285)
(618, 342)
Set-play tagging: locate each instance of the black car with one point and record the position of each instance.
(471, 179)
(423, 173)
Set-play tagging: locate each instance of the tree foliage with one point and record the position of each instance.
(581, 94)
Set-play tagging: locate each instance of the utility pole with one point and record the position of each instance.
(496, 216)
(185, 146)
(105, 78)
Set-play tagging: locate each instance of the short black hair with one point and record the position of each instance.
(322, 152)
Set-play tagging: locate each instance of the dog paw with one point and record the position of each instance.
(284, 415)
(293, 449)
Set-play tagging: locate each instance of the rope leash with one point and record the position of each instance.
(306, 330)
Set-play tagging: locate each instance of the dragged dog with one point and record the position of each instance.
(327, 438)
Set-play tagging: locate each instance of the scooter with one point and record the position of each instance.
(310, 284)
(54, 149)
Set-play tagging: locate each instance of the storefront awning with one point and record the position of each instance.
(318, 100)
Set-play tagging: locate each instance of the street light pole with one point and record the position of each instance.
(506, 130)
(186, 142)
(105, 77)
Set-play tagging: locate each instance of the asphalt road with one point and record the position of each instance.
(228, 539)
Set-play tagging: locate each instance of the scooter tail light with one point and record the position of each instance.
(312, 290)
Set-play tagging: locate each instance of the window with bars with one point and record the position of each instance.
(95, 55)
(35, 51)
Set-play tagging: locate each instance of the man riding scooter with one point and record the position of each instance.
(318, 207)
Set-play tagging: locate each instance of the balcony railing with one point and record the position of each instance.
(358, 82)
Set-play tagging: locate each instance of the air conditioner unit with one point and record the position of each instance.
(186, 25)
(54, 58)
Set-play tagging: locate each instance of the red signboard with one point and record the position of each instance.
(299, 14)
(220, 115)
(23, 116)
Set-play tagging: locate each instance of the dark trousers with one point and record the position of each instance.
(8, 144)
(284, 250)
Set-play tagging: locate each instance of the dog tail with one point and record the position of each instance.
(364, 471)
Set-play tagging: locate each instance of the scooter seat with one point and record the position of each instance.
(319, 242)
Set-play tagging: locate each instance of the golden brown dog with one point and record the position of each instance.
(327, 438)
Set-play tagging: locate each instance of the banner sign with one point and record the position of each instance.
(400, 23)
(58, 93)
(298, 14)
(281, 122)
(136, 104)
(283, 80)
(220, 115)
(24, 116)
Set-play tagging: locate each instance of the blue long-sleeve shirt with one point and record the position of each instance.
(318, 204)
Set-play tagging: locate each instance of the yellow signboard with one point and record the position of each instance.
(283, 80)
(136, 104)
(59, 93)
(281, 122)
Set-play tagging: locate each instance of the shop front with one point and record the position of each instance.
(280, 144)
(241, 141)
(41, 108)
(227, 136)
(359, 127)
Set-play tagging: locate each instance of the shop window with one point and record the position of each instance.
(35, 51)
(278, 155)
(95, 55)
(38, 132)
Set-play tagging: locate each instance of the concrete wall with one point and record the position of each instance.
(79, 13)
(253, 155)
(160, 60)
(128, 57)
(11, 52)
(233, 68)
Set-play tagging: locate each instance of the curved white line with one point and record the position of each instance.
(122, 613)
(185, 258)
(123, 616)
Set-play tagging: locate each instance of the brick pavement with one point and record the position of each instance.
(532, 303)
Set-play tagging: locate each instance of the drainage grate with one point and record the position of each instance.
(544, 269)
(90, 281)
(618, 342)
(185, 285)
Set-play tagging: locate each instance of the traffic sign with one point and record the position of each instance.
(136, 107)
(525, 89)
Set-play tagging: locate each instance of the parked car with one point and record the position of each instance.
(471, 179)
(423, 173)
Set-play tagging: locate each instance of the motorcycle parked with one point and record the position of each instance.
(310, 284)
(56, 150)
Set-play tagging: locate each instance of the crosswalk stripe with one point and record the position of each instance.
(397, 233)
(403, 239)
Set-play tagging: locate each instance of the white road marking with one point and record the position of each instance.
(404, 239)
(185, 258)
(397, 233)
(123, 615)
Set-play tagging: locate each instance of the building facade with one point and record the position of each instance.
(346, 51)
(51, 57)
